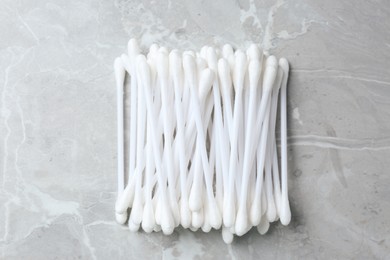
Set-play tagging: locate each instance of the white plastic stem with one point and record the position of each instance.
(133, 51)
(285, 214)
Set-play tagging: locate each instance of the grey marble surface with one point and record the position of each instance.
(58, 125)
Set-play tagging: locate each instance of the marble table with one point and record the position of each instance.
(58, 125)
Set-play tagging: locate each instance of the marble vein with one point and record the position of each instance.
(341, 75)
(370, 144)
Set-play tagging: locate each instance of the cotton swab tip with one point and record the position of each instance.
(123, 201)
(133, 47)
(253, 52)
(227, 236)
(240, 67)
(121, 218)
(133, 227)
(148, 221)
(270, 73)
(224, 76)
(254, 72)
(263, 227)
(285, 213)
(227, 50)
(189, 65)
(205, 82)
(185, 214)
(241, 222)
(162, 65)
(284, 64)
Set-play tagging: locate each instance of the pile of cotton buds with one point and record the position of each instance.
(202, 150)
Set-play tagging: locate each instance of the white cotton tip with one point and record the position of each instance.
(214, 215)
(263, 226)
(148, 220)
(271, 211)
(203, 51)
(241, 225)
(162, 65)
(124, 200)
(176, 68)
(151, 56)
(201, 64)
(224, 76)
(190, 68)
(185, 214)
(206, 227)
(254, 72)
(284, 64)
(175, 62)
(231, 61)
(271, 70)
(119, 70)
(129, 66)
(194, 229)
(157, 212)
(253, 52)
(197, 218)
(175, 212)
(137, 210)
(191, 53)
(227, 236)
(255, 211)
(154, 48)
(133, 227)
(227, 51)
(164, 50)
(212, 59)
(133, 47)
(240, 67)
(285, 213)
(195, 201)
(167, 222)
(205, 83)
(229, 212)
(271, 62)
(121, 218)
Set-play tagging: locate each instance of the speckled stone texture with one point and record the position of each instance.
(58, 124)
